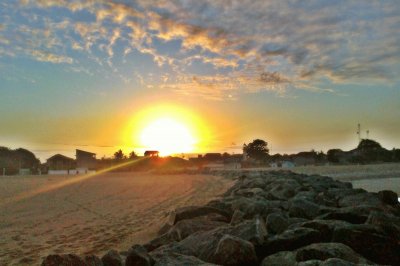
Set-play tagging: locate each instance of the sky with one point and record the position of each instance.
(299, 74)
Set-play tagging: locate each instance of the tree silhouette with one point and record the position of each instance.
(257, 149)
(119, 155)
(132, 155)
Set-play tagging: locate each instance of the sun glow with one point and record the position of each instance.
(167, 128)
(168, 136)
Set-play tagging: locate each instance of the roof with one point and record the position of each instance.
(85, 152)
(59, 156)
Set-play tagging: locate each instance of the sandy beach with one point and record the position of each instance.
(109, 211)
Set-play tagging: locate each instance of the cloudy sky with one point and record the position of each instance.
(299, 74)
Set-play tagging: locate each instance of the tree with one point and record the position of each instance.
(257, 149)
(132, 155)
(119, 155)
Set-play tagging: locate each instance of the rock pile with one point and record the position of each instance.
(272, 218)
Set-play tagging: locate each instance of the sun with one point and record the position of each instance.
(168, 136)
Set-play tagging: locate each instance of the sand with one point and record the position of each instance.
(109, 211)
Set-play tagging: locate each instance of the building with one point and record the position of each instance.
(151, 153)
(85, 160)
(60, 164)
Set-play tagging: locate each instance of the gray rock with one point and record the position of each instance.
(370, 199)
(237, 217)
(233, 251)
(388, 197)
(276, 223)
(138, 256)
(324, 227)
(324, 251)
(369, 241)
(251, 230)
(191, 212)
(112, 258)
(63, 260)
(92, 260)
(183, 229)
(290, 239)
(283, 258)
(173, 259)
(389, 223)
(304, 209)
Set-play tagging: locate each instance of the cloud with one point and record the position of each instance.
(250, 45)
(49, 57)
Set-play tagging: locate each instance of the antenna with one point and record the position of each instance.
(359, 132)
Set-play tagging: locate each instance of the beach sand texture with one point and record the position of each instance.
(109, 211)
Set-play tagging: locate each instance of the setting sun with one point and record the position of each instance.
(168, 136)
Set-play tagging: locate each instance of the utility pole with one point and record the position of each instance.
(367, 133)
(359, 132)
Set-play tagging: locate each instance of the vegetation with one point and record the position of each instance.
(13, 160)
(256, 150)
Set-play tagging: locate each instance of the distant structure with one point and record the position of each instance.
(60, 164)
(85, 160)
(359, 132)
(151, 153)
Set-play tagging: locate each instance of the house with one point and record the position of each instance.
(60, 164)
(287, 164)
(85, 160)
(151, 153)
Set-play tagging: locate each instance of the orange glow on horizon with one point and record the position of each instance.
(167, 128)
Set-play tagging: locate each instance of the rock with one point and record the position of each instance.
(389, 223)
(237, 217)
(172, 259)
(337, 262)
(138, 256)
(285, 190)
(324, 227)
(388, 197)
(324, 251)
(309, 263)
(63, 260)
(252, 207)
(354, 214)
(290, 239)
(253, 231)
(112, 258)
(370, 199)
(369, 241)
(249, 192)
(193, 212)
(92, 260)
(304, 209)
(283, 258)
(181, 230)
(276, 223)
(233, 251)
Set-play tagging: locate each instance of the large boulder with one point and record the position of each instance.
(92, 260)
(251, 230)
(183, 229)
(112, 258)
(233, 251)
(283, 258)
(388, 197)
(237, 217)
(389, 223)
(276, 223)
(324, 251)
(191, 212)
(138, 256)
(172, 259)
(353, 214)
(369, 241)
(290, 239)
(63, 260)
(324, 227)
(304, 209)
